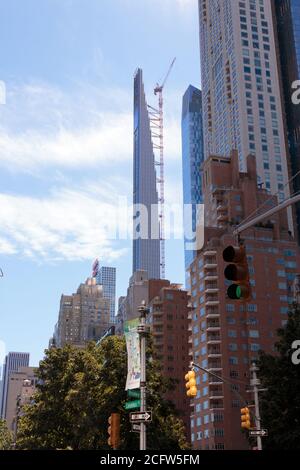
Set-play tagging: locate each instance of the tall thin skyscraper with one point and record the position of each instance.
(192, 158)
(107, 278)
(288, 30)
(146, 243)
(13, 361)
(241, 96)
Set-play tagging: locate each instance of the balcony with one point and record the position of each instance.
(210, 263)
(212, 325)
(211, 300)
(213, 352)
(212, 313)
(214, 381)
(214, 365)
(211, 276)
(190, 340)
(216, 404)
(213, 338)
(190, 315)
(216, 393)
(211, 288)
(210, 253)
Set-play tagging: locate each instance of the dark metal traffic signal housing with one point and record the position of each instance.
(237, 271)
(114, 430)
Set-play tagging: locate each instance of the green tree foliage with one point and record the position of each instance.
(280, 405)
(79, 389)
(6, 437)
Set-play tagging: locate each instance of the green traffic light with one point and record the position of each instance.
(238, 292)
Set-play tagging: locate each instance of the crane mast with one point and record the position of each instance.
(156, 116)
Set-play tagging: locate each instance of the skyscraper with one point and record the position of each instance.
(146, 243)
(107, 278)
(13, 361)
(288, 30)
(192, 158)
(83, 316)
(241, 96)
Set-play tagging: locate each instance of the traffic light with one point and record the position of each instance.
(114, 430)
(190, 385)
(237, 271)
(245, 418)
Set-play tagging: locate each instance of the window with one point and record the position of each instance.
(253, 334)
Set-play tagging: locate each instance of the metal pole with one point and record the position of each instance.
(142, 334)
(255, 382)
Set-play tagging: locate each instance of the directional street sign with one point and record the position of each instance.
(135, 428)
(130, 405)
(261, 432)
(136, 393)
(141, 417)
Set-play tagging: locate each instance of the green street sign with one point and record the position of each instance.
(130, 405)
(136, 393)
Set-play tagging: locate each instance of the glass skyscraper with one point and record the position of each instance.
(107, 278)
(288, 28)
(146, 243)
(192, 158)
(241, 93)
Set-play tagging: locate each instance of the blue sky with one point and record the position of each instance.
(66, 143)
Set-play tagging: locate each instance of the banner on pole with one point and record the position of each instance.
(133, 354)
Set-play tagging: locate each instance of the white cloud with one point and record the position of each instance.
(69, 225)
(108, 142)
(41, 126)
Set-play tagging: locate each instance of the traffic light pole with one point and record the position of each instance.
(254, 383)
(142, 330)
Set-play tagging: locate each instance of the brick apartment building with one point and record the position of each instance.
(228, 334)
(169, 317)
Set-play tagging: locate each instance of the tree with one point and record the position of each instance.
(78, 390)
(6, 437)
(280, 404)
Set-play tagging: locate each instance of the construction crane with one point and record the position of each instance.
(157, 130)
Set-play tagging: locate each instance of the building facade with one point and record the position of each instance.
(192, 159)
(13, 361)
(146, 243)
(83, 317)
(227, 335)
(241, 94)
(21, 387)
(106, 277)
(169, 318)
(287, 28)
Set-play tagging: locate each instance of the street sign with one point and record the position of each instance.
(130, 405)
(135, 428)
(136, 393)
(261, 432)
(141, 417)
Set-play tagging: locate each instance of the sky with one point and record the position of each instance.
(66, 145)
